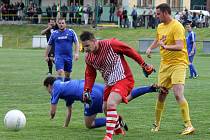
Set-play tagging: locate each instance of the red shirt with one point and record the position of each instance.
(109, 60)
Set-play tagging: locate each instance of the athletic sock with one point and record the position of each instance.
(111, 120)
(158, 112)
(185, 112)
(142, 90)
(50, 66)
(99, 122)
(194, 71)
(191, 70)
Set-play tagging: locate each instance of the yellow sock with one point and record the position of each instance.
(158, 112)
(185, 112)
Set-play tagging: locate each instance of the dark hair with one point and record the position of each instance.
(52, 19)
(164, 7)
(190, 24)
(49, 81)
(86, 35)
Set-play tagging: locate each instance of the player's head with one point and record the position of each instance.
(48, 82)
(163, 11)
(188, 27)
(52, 22)
(89, 42)
(61, 24)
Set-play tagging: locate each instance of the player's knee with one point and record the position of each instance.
(111, 105)
(88, 125)
(162, 97)
(179, 98)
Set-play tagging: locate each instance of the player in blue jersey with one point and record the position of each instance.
(63, 40)
(191, 49)
(72, 91)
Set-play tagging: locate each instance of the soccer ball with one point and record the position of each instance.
(14, 120)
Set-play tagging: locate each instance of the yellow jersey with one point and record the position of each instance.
(172, 31)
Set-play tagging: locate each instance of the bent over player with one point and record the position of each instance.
(72, 91)
(107, 56)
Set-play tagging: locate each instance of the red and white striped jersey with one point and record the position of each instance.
(109, 60)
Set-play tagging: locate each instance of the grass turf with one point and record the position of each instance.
(22, 73)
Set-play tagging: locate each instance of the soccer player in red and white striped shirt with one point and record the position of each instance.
(107, 56)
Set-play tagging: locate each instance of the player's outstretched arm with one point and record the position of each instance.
(152, 46)
(68, 116)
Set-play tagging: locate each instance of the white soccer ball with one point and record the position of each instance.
(14, 120)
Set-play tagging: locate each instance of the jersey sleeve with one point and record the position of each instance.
(55, 93)
(122, 48)
(179, 32)
(75, 38)
(51, 39)
(90, 76)
(193, 36)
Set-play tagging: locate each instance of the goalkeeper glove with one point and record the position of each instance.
(148, 69)
(86, 97)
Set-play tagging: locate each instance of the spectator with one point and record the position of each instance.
(100, 12)
(39, 13)
(125, 18)
(120, 16)
(111, 12)
(64, 10)
(134, 16)
(86, 14)
(49, 12)
(71, 13)
(54, 11)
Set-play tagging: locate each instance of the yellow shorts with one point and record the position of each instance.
(171, 74)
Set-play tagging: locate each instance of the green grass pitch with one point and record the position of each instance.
(22, 71)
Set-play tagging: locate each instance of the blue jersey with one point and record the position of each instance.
(191, 37)
(63, 41)
(72, 91)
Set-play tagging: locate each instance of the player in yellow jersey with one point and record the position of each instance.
(170, 37)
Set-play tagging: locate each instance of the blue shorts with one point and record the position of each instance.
(97, 102)
(64, 63)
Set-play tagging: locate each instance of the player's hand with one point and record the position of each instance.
(191, 53)
(148, 69)
(148, 52)
(86, 97)
(46, 58)
(49, 26)
(76, 56)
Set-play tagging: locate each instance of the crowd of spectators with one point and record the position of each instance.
(75, 14)
(197, 19)
(13, 11)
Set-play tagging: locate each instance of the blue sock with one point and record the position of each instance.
(142, 90)
(100, 122)
(194, 71)
(191, 70)
(60, 78)
(67, 79)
